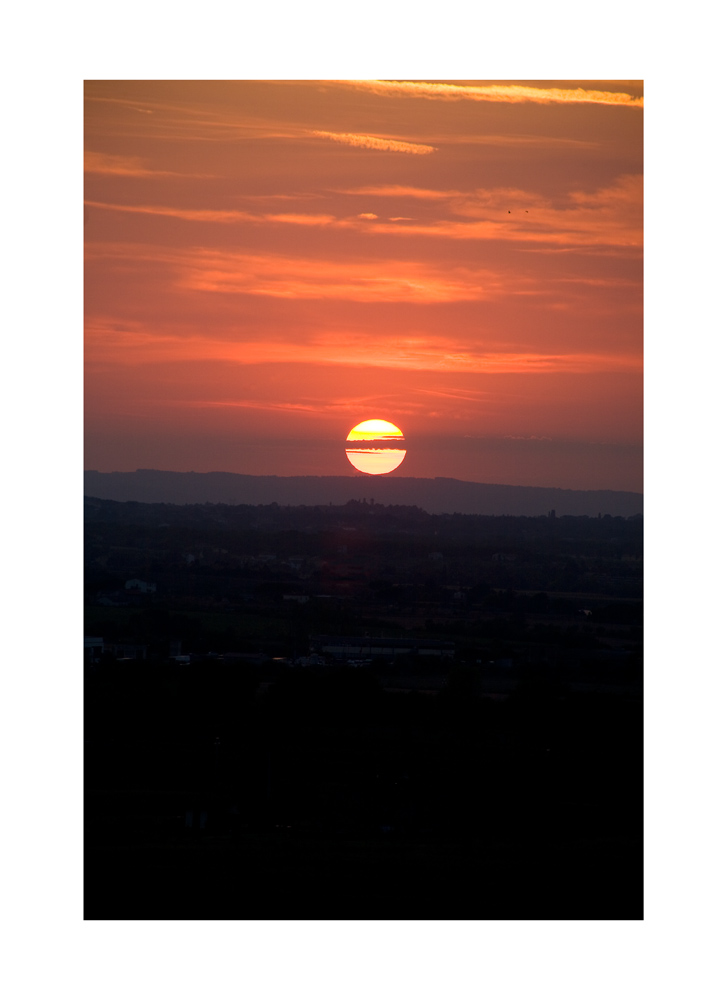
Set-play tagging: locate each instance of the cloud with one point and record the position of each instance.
(178, 119)
(108, 346)
(298, 219)
(518, 143)
(217, 215)
(357, 281)
(189, 214)
(610, 216)
(127, 166)
(375, 142)
(190, 275)
(403, 191)
(501, 93)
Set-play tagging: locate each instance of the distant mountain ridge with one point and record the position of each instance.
(436, 496)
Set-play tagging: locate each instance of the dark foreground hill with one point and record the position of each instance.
(436, 496)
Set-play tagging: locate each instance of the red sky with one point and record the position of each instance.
(269, 263)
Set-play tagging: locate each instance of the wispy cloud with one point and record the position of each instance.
(190, 214)
(127, 166)
(201, 269)
(403, 191)
(109, 343)
(356, 281)
(610, 216)
(184, 274)
(503, 93)
(193, 121)
(217, 215)
(375, 142)
(299, 219)
(519, 142)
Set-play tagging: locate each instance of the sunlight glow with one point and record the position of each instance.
(375, 430)
(374, 462)
(376, 457)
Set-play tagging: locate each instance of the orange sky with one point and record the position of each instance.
(269, 263)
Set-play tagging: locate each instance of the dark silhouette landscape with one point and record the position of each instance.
(436, 496)
(361, 711)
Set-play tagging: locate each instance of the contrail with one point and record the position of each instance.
(504, 93)
(374, 142)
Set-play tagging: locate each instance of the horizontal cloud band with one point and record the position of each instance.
(505, 93)
(375, 142)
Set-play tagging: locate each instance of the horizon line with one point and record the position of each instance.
(362, 476)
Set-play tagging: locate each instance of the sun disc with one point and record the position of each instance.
(370, 448)
(375, 430)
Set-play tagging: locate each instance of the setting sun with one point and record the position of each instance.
(429, 250)
(374, 456)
